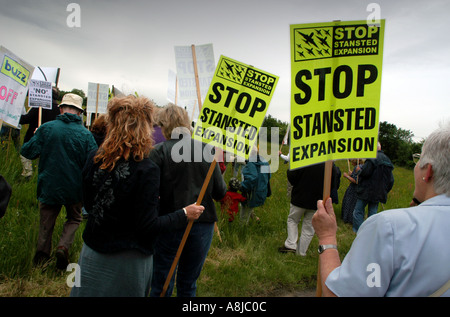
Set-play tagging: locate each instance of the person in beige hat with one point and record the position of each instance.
(62, 146)
(73, 102)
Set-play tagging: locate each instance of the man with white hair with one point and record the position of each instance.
(399, 252)
(62, 146)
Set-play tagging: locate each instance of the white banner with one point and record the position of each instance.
(14, 76)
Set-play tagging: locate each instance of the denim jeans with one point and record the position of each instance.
(358, 213)
(190, 263)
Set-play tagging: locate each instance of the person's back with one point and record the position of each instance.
(410, 257)
(62, 146)
(399, 252)
(256, 174)
(376, 179)
(183, 178)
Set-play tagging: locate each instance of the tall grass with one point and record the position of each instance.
(243, 261)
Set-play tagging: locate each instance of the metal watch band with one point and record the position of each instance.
(323, 247)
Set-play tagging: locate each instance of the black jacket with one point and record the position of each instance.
(184, 167)
(307, 185)
(123, 207)
(375, 179)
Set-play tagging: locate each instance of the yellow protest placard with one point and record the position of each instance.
(235, 106)
(335, 91)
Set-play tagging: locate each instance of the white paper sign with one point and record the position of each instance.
(40, 94)
(46, 74)
(187, 88)
(14, 77)
(171, 86)
(99, 105)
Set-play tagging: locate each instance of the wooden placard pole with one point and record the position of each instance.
(39, 117)
(197, 83)
(57, 77)
(326, 194)
(96, 101)
(176, 90)
(188, 228)
(199, 99)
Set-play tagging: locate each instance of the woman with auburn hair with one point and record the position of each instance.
(184, 164)
(121, 188)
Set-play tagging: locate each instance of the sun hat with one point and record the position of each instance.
(72, 100)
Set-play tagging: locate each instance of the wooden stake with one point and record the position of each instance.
(176, 90)
(197, 83)
(199, 99)
(326, 194)
(188, 229)
(96, 102)
(40, 117)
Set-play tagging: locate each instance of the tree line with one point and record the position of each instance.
(396, 143)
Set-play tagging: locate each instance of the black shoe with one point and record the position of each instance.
(40, 258)
(283, 249)
(62, 258)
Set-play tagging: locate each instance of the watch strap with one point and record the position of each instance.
(323, 247)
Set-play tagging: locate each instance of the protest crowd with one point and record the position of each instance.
(121, 167)
(149, 181)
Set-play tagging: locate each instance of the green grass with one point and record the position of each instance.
(244, 261)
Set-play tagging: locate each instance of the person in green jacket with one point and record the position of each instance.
(62, 147)
(256, 184)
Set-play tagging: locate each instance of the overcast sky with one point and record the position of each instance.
(130, 44)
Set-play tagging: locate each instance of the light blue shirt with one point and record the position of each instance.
(398, 252)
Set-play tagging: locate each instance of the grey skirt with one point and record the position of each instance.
(122, 274)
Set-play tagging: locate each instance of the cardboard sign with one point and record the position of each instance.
(335, 91)
(235, 106)
(14, 76)
(172, 86)
(97, 100)
(50, 74)
(187, 88)
(40, 94)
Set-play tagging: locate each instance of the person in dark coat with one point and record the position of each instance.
(375, 180)
(32, 119)
(182, 176)
(349, 200)
(255, 185)
(307, 188)
(98, 129)
(121, 189)
(62, 146)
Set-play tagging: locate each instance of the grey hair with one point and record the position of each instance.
(436, 151)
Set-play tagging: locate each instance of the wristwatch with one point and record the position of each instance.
(323, 247)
